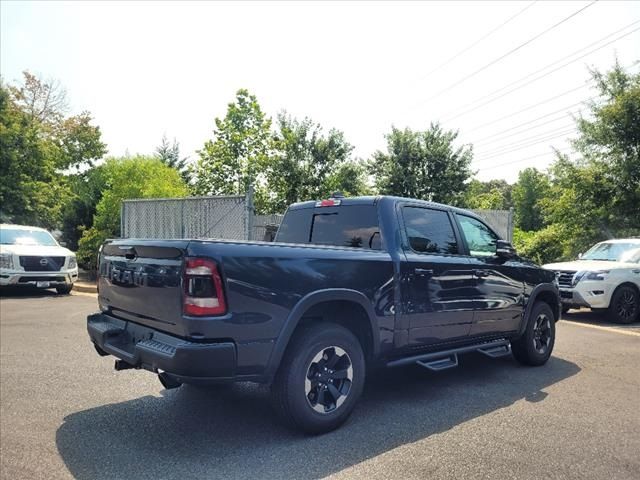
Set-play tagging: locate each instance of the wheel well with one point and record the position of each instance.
(550, 299)
(348, 314)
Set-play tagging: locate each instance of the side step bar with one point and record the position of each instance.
(449, 358)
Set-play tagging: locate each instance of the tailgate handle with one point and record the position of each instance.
(129, 252)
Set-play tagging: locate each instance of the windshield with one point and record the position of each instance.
(613, 252)
(15, 236)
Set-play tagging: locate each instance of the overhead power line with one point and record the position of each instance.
(489, 96)
(500, 139)
(484, 37)
(537, 104)
(520, 160)
(531, 141)
(510, 52)
(530, 121)
(526, 145)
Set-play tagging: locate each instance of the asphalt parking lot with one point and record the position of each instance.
(65, 413)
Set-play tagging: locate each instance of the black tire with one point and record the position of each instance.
(314, 362)
(65, 290)
(536, 344)
(625, 305)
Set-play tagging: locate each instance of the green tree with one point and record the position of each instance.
(38, 145)
(126, 178)
(528, 195)
(307, 164)
(169, 154)
(490, 195)
(236, 156)
(425, 165)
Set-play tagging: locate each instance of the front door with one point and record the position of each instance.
(499, 284)
(437, 282)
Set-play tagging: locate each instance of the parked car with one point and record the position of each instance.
(349, 284)
(606, 278)
(30, 256)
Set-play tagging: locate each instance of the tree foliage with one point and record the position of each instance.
(528, 194)
(38, 144)
(169, 154)
(425, 165)
(596, 195)
(234, 159)
(491, 195)
(307, 164)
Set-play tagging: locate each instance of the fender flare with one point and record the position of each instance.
(538, 289)
(310, 300)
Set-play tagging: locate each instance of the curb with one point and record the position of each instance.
(85, 287)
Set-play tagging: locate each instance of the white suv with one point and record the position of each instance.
(30, 256)
(607, 277)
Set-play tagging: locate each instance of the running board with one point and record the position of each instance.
(449, 358)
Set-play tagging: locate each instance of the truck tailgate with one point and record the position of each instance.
(141, 281)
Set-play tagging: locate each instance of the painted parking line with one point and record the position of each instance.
(606, 329)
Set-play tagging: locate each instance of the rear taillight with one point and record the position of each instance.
(203, 294)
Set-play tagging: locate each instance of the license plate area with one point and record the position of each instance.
(43, 284)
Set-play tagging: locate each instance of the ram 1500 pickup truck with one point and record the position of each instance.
(349, 285)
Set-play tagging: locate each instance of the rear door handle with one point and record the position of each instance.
(481, 273)
(424, 272)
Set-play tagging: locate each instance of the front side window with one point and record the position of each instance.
(429, 231)
(21, 236)
(480, 239)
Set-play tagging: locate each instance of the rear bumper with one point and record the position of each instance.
(144, 347)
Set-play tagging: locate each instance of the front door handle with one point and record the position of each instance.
(424, 272)
(481, 273)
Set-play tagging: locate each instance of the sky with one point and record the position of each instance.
(507, 75)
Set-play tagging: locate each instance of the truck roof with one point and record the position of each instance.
(372, 200)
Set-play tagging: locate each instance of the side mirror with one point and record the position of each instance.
(504, 249)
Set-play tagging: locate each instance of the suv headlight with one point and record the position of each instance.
(6, 260)
(73, 263)
(593, 275)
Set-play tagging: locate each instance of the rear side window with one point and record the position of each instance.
(344, 226)
(480, 239)
(429, 231)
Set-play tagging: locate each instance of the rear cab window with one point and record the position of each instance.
(429, 231)
(354, 226)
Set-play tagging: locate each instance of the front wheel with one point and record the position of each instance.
(64, 290)
(536, 344)
(320, 378)
(624, 305)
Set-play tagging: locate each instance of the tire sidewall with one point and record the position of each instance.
(303, 354)
(535, 357)
(616, 298)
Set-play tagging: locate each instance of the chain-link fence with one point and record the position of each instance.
(228, 217)
(197, 217)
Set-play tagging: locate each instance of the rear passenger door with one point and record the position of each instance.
(436, 279)
(498, 283)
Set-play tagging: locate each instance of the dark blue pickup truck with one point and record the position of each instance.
(350, 284)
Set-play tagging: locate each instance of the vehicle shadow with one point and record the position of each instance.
(27, 292)
(584, 315)
(231, 432)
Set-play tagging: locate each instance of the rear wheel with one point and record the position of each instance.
(624, 305)
(320, 378)
(64, 290)
(536, 344)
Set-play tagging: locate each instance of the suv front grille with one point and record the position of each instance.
(565, 278)
(41, 264)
